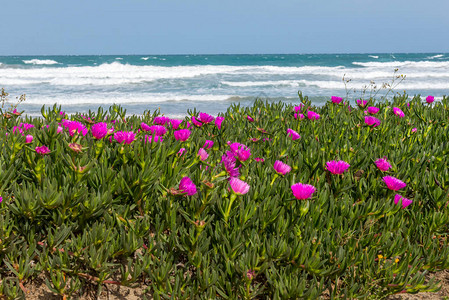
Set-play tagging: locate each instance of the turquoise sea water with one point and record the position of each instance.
(175, 83)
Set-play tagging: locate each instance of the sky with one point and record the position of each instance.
(83, 27)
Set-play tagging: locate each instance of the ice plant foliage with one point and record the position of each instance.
(238, 186)
(302, 191)
(281, 168)
(337, 167)
(382, 164)
(399, 199)
(393, 183)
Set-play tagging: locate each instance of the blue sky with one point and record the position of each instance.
(46, 27)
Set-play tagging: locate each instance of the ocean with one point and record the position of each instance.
(210, 83)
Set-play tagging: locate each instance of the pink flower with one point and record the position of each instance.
(259, 159)
(202, 154)
(218, 122)
(372, 121)
(337, 167)
(398, 112)
(99, 130)
(208, 144)
(181, 151)
(241, 151)
(249, 119)
(161, 120)
(205, 118)
(151, 139)
(300, 116)
(414, 130)
(42, 150)
(144, 126)
(126, 137)
(302, 191)
(405, 202)
(229, 163)
(293, 134)
(382, 164)
(361, 103)
(1, 199)
(430, 99)
(281, 168)
(312, 115)
(29, 139)
(74, 127)
(175, 123)
(336, 100)
(238, 186)
(196, 122)
(373, 110)
(393, 183)
(298, 108)
(186, 185)
(157, 130)
(182, 134)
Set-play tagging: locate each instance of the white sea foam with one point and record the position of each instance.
(119, 58)
(40, 62)
(413, 64)
(145, 58)
(373, 56)
(435, 56)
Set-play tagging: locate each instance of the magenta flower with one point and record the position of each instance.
(202, 154)
(238, 186)
(229, 163)
(144, 126)
(157, 130)
(293, 134)
(361, 103)
(1, 199)
(373, 110)
(405, 202)
(372, 121)
(208, 144)
(74, 127)
(175, 123)
(249, 119)
(151, 139)
(99, 130)
(126, 137)
(259, 159)
(302, 191)
(29, 139)
(161, 120)
(241, 151)
(182, 134)
(26, 126)
(393, 183)
(430, 99)
(281, 168)
(336, 100)
(218, 122)
(414, 130)
(337, 167)
(205, 118)
(312, 115)
(186, 185)
(42, 150)
(382, 164)
(398, 112)
(300, 116)
(298, 108)
(196, 122)
(181, 151)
